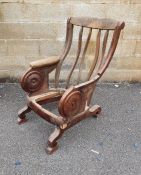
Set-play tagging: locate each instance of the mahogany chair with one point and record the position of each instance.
(73, 100)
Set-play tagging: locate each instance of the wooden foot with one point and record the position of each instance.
(50, 150)
(52, 141)
(22, 117)
(95, 110)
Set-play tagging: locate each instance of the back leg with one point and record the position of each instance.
(22, 114)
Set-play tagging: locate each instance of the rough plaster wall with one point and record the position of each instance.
(35, 29)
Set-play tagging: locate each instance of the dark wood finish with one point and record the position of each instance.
(96, 55)
(96, 23)
(74, 102)
(22, 114)
(77, 57)
(83, 55)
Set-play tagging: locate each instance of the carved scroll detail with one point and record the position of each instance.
(32, 81)
(71, 104)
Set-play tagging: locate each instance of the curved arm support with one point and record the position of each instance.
(70, 103)
(32, 80)
(76, 99)
(36, 78)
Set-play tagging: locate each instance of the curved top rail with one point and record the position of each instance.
(97, 23)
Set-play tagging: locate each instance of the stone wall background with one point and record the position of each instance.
(34, 29)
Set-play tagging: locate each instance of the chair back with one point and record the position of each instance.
(106, 32)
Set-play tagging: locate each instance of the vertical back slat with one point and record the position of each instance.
(105, 43)
(77, 56)
(66, 50)
(96, 55)
(100, 61)
(111, 50)
(83, 55)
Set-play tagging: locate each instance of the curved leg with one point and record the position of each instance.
(22, 117)
(52, 141)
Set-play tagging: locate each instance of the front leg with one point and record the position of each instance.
(52, 141)
(22, 117)
(95, 110)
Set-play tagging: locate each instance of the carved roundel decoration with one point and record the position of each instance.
(32, 81)
(72, 104)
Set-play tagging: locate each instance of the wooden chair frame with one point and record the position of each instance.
(73, 101)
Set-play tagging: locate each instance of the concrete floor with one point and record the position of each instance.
(108, 145)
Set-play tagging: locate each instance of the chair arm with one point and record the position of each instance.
(72, 102)
(50, 61)
(35, 78)
(77, 98)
